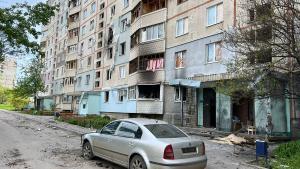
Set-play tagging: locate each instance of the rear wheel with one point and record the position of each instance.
(137, 162)
(87, 151)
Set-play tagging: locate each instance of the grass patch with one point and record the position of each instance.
(287, 156)
(7, 107)
(90, 121)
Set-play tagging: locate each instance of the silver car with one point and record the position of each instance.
(145, 144)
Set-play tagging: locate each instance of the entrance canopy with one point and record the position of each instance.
(185, 82)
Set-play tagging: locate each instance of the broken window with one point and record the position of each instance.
(149, 91)
(131, 92)
(110, 35)
(181, 1)
(97, 83)
(108, 74)
(152, 5)
(99, 54)
(106, 96)
(151, 62)
(123, 48)
(136, 12)
(179, 56)
(122, 93)
(133, 66)
(98, 74)
(98, 64)
(110, 53)
(178, 92)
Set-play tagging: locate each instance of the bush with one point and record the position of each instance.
(287, 154)
(90, 121)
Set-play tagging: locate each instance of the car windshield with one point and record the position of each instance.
(165, 131)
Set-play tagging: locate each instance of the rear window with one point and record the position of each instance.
(164, 131)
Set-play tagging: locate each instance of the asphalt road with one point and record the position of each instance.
(27, 144)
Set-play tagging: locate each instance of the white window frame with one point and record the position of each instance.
(218, 14)
(124, 25)
(122, 72)
(122, 93)
(125, 3)
(214, 57)
(153, 32)
(185, 26)
(132, 93)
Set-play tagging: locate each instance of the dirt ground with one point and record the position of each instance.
(29, 144)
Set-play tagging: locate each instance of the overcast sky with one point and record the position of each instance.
(23, 61)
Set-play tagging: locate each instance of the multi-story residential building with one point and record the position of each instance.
(148, 58)
(8, 73)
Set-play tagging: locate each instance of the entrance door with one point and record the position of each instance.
(209, 107)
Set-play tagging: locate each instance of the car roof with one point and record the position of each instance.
(144, 121)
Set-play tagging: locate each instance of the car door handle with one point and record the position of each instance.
(131, 143)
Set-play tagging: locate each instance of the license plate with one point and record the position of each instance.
(189, 150)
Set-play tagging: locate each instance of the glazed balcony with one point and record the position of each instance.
(73, 40)
(73, 25)
(149, 19)
(70, 72)
(71, 56)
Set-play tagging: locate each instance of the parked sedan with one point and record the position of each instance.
(145, 144)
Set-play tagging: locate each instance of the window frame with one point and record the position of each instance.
(185, 22)
(216, 14)
(183, 55)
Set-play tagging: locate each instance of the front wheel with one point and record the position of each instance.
(137, 162)
(87, 151)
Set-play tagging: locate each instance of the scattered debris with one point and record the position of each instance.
(232, 140)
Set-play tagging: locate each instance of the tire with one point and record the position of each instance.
(137, 162)
(87, 151)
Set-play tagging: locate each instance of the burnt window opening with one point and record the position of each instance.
(133, 66)
(149, 91)
(110, 35)
(151, 62)
(136, 12)
(110, 53)
(106, 96)
(135, 39)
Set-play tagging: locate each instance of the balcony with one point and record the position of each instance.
(136, 25)
(154, 17)
(144, 76)
(73, 41)
(69, 88)
(74, 10)
(73, 25)
(71, 56)
(70, 72)
(148, 48)
(149, 106)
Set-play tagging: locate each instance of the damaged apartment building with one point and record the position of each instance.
(147, 58)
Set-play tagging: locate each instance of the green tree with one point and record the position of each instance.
(4, 93)
(31, 83)
(18, 28)
(266, 43)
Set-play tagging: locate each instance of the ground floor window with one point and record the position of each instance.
(131, 92)
(178, 92)
(106, 96)
(122, 93)
(149, 91)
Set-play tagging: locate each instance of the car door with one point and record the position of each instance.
(126, 138)
(102, 142)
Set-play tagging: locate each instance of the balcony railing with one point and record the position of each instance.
(144, 76)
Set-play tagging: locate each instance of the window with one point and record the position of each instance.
(123, 25)
(102, 6)
(106, 96)
(129, 130)
(125, 3)
(72, 48)
(131, 93)
(182, 26)
(178, 92)
(112, 10)
(101, 25)
(98, 74)
(214, 52)
(165, 131)
(122, 93)
(110, 53)
(100, 35)
(100, 44)
(93, 7)
(91, 42)
(83, 31)
(122, 72)
(215, 14)
(101, 16)
(123, 48)
(89, 61)
(92, 25)
(97, 83)
(149, 91)
(79, 81)
(111, 128)
(181, 1)
(108, 74)
(153, 32)
(98, 64)
(99, 55)
(85, 13)
(179, 62)
(87, 79)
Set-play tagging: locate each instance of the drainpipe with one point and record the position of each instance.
(181, 104)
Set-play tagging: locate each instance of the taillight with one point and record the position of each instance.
(168, 153)
(202, 152)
